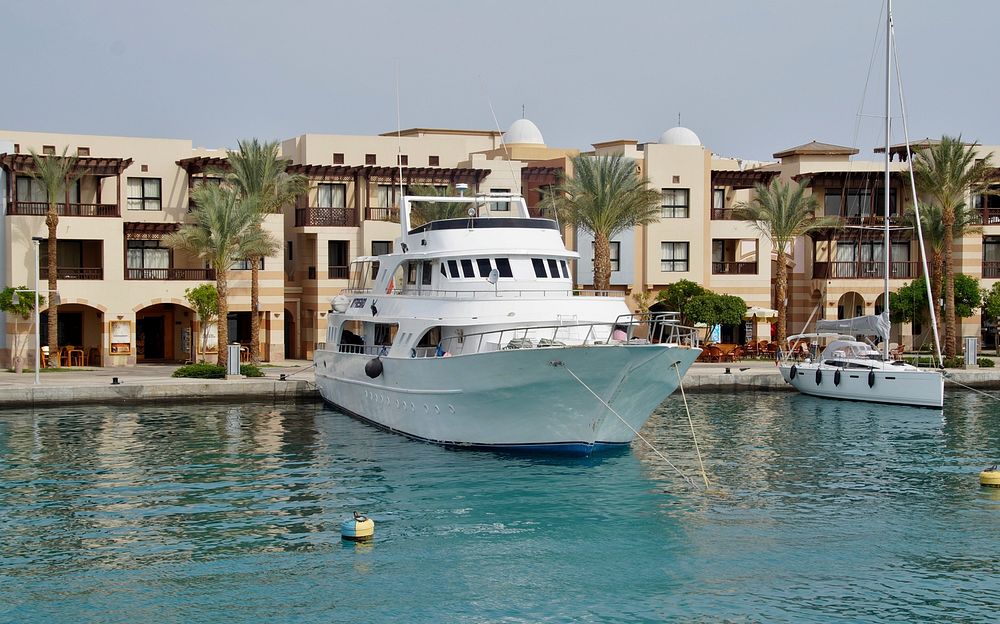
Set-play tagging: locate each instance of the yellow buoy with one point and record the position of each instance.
(990, 477)
(358, 528)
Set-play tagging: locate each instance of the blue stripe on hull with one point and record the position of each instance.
(577, 449)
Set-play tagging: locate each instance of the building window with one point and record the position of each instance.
(49, 150)
(17, 148)
(674, 204)
(369, 159)
(858, 203)
(385, 196)
(381, 248)
(674, 257)
(83, 151)
(718, 198)
(336, 259)
(288, 245)
(434, 161)
(145, 254)
(144, 194)
(616, 249)
(402, 160)
(338, 158)
(500, 206)
(331, 195)
(244, 265)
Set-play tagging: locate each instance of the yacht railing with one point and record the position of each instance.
(649, 328)
(490, 294)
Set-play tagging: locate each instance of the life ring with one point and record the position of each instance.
(819, 376)
(836, 378)
(794, 372)
(871, 379)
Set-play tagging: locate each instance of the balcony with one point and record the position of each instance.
(866, 270)
(337, 272)
(326, 217)
(734, 268)
(40, 209)
(170, 274)
(74, 273)
(377, 213)
(991, 270)
(988, 216)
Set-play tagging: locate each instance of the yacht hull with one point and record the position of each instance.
(522, 399)
(919, 388)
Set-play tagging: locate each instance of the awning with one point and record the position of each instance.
(149, 231)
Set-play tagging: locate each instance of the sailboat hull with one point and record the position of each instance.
(915, 387)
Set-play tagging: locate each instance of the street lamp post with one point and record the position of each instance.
(38, 339)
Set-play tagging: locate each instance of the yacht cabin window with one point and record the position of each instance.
(484, 267)
(503, 266)
(467, 270)
(411, 273)
(453, 269)
(565, 269)
(539, 267)
(426, 273)
(553, 268)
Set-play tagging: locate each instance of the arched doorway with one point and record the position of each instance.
(879, 303)
(80, 334)
(850, 305)
(289, 335)
(163, 333)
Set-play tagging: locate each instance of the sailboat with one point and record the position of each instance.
(851, 369)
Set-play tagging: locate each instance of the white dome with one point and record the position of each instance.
(679, 135)
(523, 131)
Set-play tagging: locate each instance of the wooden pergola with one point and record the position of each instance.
(94, 166)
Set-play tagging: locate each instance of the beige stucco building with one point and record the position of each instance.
(121, 291)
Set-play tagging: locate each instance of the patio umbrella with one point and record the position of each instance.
(760, 314)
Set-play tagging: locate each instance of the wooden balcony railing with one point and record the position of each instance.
(74, 273)
(866, 270)
(337, 272)
(326, 217)
(989, 216)
(723, 214)
(991, 270)
(170, 274)
(375, 213)
(734, 268)
(40, 209)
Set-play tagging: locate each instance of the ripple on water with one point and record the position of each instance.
(821, 511)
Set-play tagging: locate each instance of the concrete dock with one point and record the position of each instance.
(152, 382)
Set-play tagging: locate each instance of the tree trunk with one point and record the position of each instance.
(602, 262)
(52, 221)
(936, 269)
(781, 291)
(255, 311)
(947, 224)
(223, 323)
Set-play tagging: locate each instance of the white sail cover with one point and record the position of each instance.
(874, 325)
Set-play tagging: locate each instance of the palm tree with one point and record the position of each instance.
(783, 213)
(966, 221)
(945, 173)
(225, 229)
(55, 174)
(605, 197)
(425, 211)
(258, 173)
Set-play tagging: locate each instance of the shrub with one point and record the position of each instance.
(954, 362)
(249, 370)
(201, 371)
(984, 362)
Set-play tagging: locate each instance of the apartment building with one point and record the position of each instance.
(121, 292)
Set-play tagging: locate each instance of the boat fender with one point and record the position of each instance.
(819, 376)
(373, 368)
(836, 378)
(871, 379)
(413, 353)
(990, 477)
(792, 373)
(358, 528)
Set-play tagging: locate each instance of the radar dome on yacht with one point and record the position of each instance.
(523, 131)
(679, 135)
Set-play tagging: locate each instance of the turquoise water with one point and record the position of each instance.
(825, 511)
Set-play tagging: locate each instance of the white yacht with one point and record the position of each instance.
(470, 334)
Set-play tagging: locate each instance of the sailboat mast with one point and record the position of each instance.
(885, 202)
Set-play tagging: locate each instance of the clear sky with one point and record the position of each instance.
(751, 77)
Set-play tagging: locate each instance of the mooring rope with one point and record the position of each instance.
(625, 422)
(694, 436)
(967, 387)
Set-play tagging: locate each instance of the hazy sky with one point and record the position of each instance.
(750, 77)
